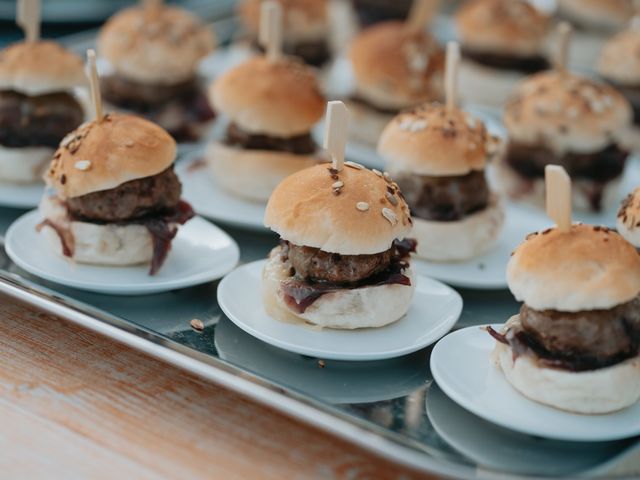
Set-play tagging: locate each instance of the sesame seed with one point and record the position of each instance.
(390, 216)
(197, 324)
(405, 124)
(377, 172)
(337, 184)
(392, 200)
(83, 165)
(67, 140)
(355, 165)
(129, 143)
(362, 206)
(472, 146)
(418, 125)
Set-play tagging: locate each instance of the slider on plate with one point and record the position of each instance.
(628, 220)
(305, 27)
(502, 41)
(38, 106)
(154, 51)
(596, 14)
(395, 66)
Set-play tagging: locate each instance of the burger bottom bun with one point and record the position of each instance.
(253, 174)
(24, 165)
(460, 240)
(486, 85)
(366, 124)
(515, 186)
(108, 244)
(345, 309)
(598, 391)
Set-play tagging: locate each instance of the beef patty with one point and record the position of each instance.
(37, 121)
(132, 200)
(134, 95)
(313, 52)
(528, 65)
(299, 144)
(444, 199)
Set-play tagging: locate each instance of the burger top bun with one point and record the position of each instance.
(620, 58)
(160, 45)
(586, 268)
(511, 27)
(103, 155)
(303, 19)
(628, 222)
(280, 98)
(566, 112)
(37, 68)
(431, 141)
(603, 14)
(354, 215)
(395, 67)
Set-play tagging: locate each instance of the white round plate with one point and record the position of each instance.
(435, 309)
(461, 365)
(488, 271)
(209, 200)
(200, 253)
(21, 196)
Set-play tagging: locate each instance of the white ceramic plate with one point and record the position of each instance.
(209, 200)
(434, 311)
(21, 196)
(200, 253)
(461, 365)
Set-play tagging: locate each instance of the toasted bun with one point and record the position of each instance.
(253, 174)
(619, 60)
(102, 155)
(532, 191)
(600, 14)
(23, 165)
(306, 210)
(589, 392)
(91, 243)
(365, 307)
(280, 98)
(430, 140)
(587, 268)
(461, 240)
(37, 68)
(546, 109)
(159, 45)
(304, 20)
(628, 221)
(514, 27)
(485, 85)
(395, 67)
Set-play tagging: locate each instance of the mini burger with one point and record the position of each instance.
(153, 53)
(561, 118)
(628, 221)
(596, 14)
(305, 30)
(271, 106)
(37, 106)
(502, 40)
(395, 67)
(574, 345)
(438, 157)
(343, 260)
(115, 198)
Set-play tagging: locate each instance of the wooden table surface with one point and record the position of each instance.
(74, 404)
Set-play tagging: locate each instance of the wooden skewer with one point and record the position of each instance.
(271, 29)
(335, 132)
(422, 11)
(558, 187)
(28, 18)
(95, 84)
(562, 48)
(451, 75)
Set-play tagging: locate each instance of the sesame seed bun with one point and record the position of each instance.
(430, 140)
(38, 68)
(354, 214)
(628, 221)
(304, 20)
(598, 14)
(279, 98)
(567, 113)
(513, 27)
(620, 57)
(350, 308)
(159, 45)
(103, 155)
(253, 174)
(586, 268)
(395, 67)
(590, 392)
